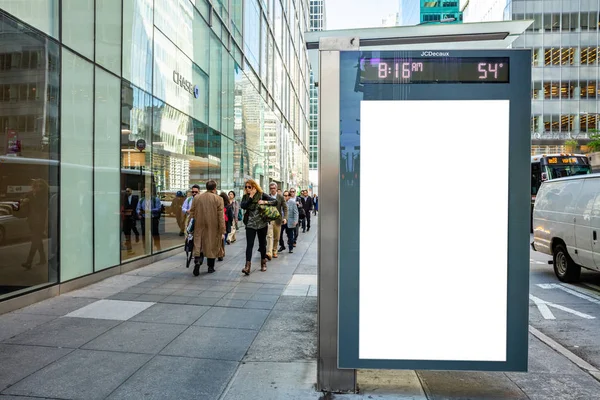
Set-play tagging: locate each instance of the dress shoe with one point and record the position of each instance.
(268, 257)
(180, 233)
(291, 251)
(308, 229)
(263, 264)
(26, 265)
(275, 255)
(220, 259)
(196, 269)
(211, 270)
(281, 248)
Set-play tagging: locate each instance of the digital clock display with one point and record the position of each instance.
(434, 70)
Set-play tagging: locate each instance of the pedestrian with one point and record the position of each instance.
(209, 227)
(301, 214)
(176, 210)
(291, 222)
(36, 205)
(187, 204)
(255, 224)
(274, 232)
(315, 204)
(236, 217)
(150, 205)
(307, 204)
(129, 216)
(228, 215)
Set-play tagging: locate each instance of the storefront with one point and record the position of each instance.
(105, 105)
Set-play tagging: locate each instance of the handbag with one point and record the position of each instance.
(269, 213)
(240, 215)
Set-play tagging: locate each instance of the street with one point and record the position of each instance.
(567, 313)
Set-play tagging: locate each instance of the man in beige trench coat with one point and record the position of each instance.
(209, 227)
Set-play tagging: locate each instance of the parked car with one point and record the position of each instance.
(11, 227)
(566, 224)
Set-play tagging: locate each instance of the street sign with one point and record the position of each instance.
(432, 150)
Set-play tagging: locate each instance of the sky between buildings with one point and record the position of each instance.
(349, 14)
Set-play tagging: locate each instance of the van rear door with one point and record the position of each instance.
(595, 228)
(583, 231)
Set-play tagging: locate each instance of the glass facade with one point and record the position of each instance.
(565, 42)
(109, 108)
(317, 23)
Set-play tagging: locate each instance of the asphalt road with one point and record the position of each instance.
(567, 313)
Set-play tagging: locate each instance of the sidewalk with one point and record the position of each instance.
(160, 333)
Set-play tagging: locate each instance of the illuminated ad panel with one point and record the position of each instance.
(434, 209)
(450, 282)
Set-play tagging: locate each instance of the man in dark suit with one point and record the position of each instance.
(130, 203)
(307, 204)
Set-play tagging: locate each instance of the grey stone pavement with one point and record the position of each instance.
(158, 332)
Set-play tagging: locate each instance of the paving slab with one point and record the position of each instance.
(57, 306)
(298, 321)
(124, 296)
(178, 378)
(453, 385)
(233, 318)
(119, 310)
(274, 381)
(538, 386)
(214, 343)
(231, 303)
(136, 337)
(20, 361)
(171, 314)
(64, 332)
(272, 345)
(397, 384)
(203, 301)
(260, 305)
(175, 299)
(15, 323)
(291, 303)
(83, 374)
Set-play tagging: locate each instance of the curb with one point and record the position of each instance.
(581, 363)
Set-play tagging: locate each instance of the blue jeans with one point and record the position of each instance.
(291, 234)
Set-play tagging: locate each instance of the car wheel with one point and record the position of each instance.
(564, 267)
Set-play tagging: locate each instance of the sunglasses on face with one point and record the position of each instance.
(248, 187)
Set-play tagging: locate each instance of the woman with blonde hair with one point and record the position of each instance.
(254, 222)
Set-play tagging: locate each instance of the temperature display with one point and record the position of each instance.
(434, 70)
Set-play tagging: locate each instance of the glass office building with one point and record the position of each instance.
(317, 23)
(110, 104)
(565, 43)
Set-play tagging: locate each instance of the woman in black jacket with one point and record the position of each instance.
(255, 224)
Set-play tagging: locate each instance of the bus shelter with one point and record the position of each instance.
(427, 150)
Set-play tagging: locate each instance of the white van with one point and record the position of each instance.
(566, 224)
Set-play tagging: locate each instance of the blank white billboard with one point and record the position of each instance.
(433, 230)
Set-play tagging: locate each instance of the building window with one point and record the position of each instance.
(555, 90)
(561, 56)
(589, 55)
(430, 4)
(588, 122)
(431, 17)
(589, 89)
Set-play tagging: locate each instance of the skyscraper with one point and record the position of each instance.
(564, 41)
(317, 23)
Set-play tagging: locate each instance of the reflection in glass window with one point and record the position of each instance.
(29, 192)
(41, 14)
(137, 179)
(137, 42)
